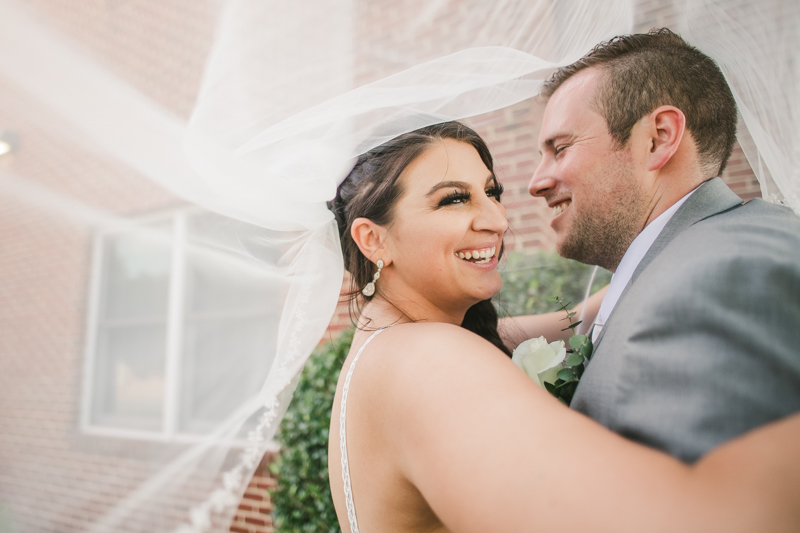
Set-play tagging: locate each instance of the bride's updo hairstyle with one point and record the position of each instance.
(372, 189)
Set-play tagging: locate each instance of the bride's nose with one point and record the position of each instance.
(491, 216)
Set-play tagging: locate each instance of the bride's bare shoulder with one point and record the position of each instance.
(439, 340)
(411, 357)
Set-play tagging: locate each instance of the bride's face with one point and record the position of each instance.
(447, 229)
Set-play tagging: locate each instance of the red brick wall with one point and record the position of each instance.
(254, 514)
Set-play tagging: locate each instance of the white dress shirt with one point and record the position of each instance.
(633, 256)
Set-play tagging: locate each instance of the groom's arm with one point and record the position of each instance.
(515, 330)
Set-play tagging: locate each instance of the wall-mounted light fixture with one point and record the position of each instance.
(9, 142)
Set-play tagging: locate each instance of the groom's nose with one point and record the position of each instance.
(542, 182)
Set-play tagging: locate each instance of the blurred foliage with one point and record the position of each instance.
(530, 281)
(5, 519)
(302, 499)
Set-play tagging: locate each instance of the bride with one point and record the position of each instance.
(435, 429)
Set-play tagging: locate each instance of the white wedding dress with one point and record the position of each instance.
(348, 490)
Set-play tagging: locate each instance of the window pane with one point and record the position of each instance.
(229, 339)
(214, 288)
(136, 267)
(225, 362)
(129, 377)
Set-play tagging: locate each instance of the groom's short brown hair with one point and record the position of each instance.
(647, 70)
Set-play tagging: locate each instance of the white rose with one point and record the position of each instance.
(540, 360)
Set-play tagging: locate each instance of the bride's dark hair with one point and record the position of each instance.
(372, 189)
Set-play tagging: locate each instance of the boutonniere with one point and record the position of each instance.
(552, 365)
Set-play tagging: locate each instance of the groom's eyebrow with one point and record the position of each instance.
(550, 141)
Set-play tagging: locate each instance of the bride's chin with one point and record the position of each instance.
(488, 292)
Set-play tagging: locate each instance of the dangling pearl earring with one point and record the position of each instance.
(369, 288)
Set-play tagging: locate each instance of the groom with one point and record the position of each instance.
(696, 340)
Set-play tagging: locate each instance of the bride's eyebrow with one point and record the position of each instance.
(447, 185)
(457, 184)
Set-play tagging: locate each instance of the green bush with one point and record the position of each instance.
(302, 499)
(531, 280)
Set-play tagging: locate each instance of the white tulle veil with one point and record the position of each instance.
(291, 93)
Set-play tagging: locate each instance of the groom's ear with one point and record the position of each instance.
(665, 129)
(370, 239)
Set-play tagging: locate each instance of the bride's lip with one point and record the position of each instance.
(488, 265)
(481, 246)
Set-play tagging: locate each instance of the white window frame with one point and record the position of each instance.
(174, 333)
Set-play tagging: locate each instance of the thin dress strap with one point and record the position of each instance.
(348, 491)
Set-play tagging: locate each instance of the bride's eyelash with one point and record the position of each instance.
(455, 196)
(495, 191)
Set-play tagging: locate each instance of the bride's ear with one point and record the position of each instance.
(370, 239)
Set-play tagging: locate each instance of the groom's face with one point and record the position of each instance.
(587, 179)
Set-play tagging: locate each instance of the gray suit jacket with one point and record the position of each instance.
(704, 343)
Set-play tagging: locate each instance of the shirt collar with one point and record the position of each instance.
(633, 256)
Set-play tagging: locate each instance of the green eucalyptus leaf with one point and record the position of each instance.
(576, 341)
(586, 348)
(566, 374)
(574, 359)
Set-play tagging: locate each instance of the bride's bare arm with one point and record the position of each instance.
(491, 451)
(516, 329)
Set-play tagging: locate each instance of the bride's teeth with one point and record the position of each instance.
(480, 256)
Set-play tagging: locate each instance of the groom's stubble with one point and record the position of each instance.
(604, 226)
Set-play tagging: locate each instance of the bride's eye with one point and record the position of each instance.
(495, 191)
(455, 198)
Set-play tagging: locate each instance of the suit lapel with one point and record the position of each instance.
(711, 198)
